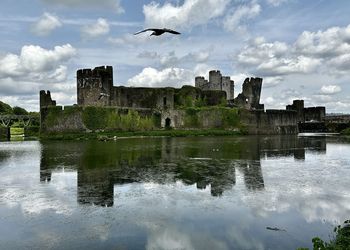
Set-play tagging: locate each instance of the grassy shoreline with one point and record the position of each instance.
(112, 135)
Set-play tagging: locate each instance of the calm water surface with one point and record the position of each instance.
(173, 193)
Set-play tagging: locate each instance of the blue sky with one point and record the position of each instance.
(300, 48)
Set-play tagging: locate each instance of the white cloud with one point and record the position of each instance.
(111, 4)
(34, 59)
(258, 50)
(60, 74)
(172, 59)
(169, 77)
(35, 68)
(275, 59)
(239, 15)
(100, 28)
(276, 3)
(332, 42)
(187, 15)
(46, 24)
(272, 81)
(326, 52)
(330, 89)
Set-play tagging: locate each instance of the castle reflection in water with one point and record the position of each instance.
(201, 161)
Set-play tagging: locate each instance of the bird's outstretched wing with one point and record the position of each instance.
(171, 31)
(145, 31)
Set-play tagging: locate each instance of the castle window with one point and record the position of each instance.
(164, 101)
(246, 100)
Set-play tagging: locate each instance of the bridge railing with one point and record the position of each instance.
(6, 120)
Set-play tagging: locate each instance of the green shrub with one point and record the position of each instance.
(95, 117)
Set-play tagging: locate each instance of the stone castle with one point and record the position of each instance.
(95, 89)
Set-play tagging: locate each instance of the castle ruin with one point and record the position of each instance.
(207, 105)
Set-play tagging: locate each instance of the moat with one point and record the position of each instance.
(173, 193)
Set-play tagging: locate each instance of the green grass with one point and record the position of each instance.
(153, 133)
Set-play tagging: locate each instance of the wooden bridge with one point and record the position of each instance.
(7, 120)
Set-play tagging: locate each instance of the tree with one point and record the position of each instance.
(19, 111)
(5, 109)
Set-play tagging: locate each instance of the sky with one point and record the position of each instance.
(300, 48)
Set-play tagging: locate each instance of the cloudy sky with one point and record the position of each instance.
(301, 48)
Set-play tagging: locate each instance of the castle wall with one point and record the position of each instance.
(315, 114)
(86, 119)
(204, 118)
(269, 122)
(154, 98)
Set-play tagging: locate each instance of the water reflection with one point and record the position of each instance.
(205, 162)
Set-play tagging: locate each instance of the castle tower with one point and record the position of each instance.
(215, 79)
(250, 96)
(228, 86)
(94, 87)
(216, 82)
(200, 82)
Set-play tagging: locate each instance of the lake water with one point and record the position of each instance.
(173, 193)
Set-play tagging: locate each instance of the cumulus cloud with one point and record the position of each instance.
(325, 51)
(330, 43)
(235, 20)
(46, 24)
(275, 59)
(113, 4)
(34, 59)
(187, 15)
(31, 70)
(100, 28)
(169, 77)
(330, 89)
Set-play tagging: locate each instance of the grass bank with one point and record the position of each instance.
(154, 133)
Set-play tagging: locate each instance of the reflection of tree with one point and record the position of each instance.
(205, 162)
(341, 240)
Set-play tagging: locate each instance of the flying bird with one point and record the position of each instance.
(158, 32)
